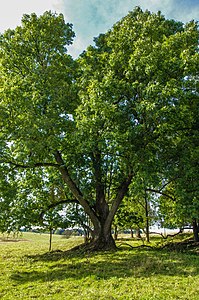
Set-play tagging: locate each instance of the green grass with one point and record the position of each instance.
(29, 271)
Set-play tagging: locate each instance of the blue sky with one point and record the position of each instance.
(92, 17)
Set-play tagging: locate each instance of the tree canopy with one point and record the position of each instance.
(122, 113)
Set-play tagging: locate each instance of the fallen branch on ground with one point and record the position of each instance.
(168, 235)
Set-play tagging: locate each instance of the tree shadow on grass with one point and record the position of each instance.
(103, 266)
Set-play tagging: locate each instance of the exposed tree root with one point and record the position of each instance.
(134, 247)
(94, 246)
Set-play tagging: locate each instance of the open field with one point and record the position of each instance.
(28, 271)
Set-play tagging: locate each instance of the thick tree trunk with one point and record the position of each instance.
(102, 242)
(75, 190)
(103, 239)
(195, 230)
(100, 214)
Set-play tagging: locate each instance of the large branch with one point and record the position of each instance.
(52, 205)
(101, 206)
(122, 190)
(35, 165)
(75, 190)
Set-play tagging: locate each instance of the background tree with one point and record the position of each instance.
(129, 216)
(179, 210)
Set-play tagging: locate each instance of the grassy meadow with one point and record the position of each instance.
(29, 271)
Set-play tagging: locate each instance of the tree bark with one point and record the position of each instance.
(147, 218)
(102, 241)
(138, 234)
(122, 190)
(75, 190)
(195, 230)
(100, 215)
(115, 233)
(50, 240)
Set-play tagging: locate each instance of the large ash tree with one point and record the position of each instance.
(101, 120)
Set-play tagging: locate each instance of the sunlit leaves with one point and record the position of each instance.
(127, 108)
(38, 78)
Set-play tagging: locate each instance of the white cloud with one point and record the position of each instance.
(77, 47)
(92, 17)
(181, 10)
(12, 11)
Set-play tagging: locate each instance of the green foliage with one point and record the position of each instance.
(37, 87)
(177, 209)
(123, 116)
(133, 94)
(128, 216)
(37, 198)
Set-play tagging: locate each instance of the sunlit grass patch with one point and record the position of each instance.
(29, 271)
